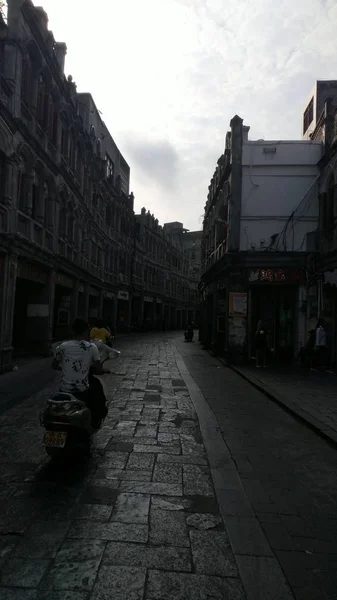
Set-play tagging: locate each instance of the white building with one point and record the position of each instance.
(279, 202)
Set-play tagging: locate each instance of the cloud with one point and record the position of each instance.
(157, 159)
(169, 76)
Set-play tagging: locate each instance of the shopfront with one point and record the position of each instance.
(63, 306)
(123, 310)
(274, 299)
(31, 324)
(94, 312)
(109, 316)
(149, 313)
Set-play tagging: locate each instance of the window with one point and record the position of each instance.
(62, 221)
(25, 81)
(65, 137)
(52, 122)
(23, 191)
(35, 199)
(308, 116)
(43, 104)
(110, 168)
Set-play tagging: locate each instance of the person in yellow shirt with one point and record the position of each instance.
(100, 333)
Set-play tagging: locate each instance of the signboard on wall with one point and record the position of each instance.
(237, 304)
(276, 275)
(64, 280)
(32, 272)
(123, 295)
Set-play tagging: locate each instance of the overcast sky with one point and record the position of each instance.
(168, 75)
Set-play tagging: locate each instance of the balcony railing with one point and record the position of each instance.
(215, 256)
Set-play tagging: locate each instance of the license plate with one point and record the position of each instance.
(55, 439)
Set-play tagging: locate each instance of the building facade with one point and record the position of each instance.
(165, 293)
(259, 232)
(69, 241)
(323, 292)
(66, 213)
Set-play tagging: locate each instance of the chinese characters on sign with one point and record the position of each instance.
(276, 275)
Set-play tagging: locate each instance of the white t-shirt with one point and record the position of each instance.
(76, 359)
(320, 336)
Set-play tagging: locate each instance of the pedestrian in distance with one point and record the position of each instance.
(321, 350)
(261, 345)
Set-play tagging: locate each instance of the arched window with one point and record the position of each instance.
(78, 162)
(70, 223)
(65, 136)
(48, 207)
(99, 148)
(72, 149)
(53, 119)
(43, 103)
(23, 188)
(63, 218)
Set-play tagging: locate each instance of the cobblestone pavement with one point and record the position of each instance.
(199, 488)
(140, 522)
(311, 395)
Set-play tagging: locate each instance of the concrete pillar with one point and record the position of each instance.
(8, 272)
(39, 318)
(86, 301)
(129, 315)
(74, 301)
(114, 313)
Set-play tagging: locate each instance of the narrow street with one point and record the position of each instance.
(199, 487)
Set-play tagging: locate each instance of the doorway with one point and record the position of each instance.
(275, 306)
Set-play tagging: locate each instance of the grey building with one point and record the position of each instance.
(66, 216)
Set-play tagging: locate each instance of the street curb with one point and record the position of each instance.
(325, 432)
(223, 468)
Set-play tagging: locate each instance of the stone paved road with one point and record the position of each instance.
(166, 509)
(285, 485)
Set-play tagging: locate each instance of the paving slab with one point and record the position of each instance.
(180, 586)
(167, 558)
(119, 583)
(168, 528)
(131, 508)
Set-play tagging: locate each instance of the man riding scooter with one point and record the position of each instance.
(79, 361)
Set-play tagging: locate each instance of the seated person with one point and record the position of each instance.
(79, 361)
(100, 333)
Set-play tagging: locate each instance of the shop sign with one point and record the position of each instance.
(32, 272)
(276, 276)
(109, 295)
(38, 310)
(237, 304)
(159, 301)
(148, 299)
(123, 295)
(63, 280)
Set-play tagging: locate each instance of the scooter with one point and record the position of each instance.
(67, 422)
(189, 334)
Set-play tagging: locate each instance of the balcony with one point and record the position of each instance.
(216, 255)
